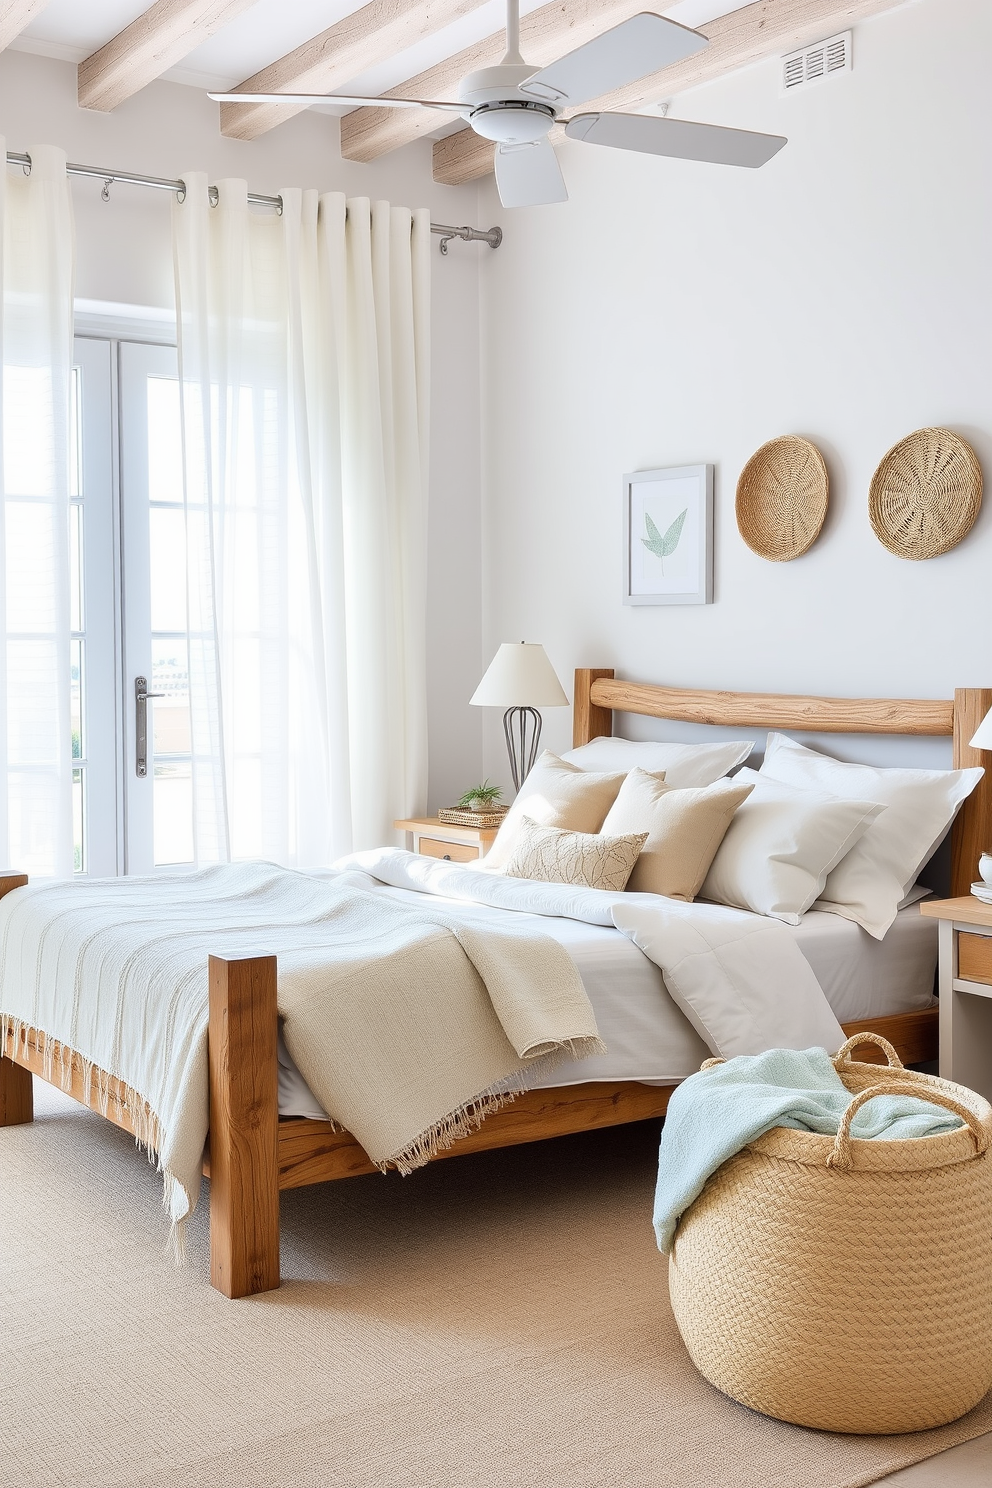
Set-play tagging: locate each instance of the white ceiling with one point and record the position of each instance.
(269, 29)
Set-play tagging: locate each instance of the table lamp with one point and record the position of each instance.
(982, 738)
(521, 679)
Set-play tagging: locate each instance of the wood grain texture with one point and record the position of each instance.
(913, 1035)
(14, 16)
(16, 1094)
(29, 1054)
(971, 834)
(777, 710)
(966, 910)
(589, 721)
(359, 41)
(545, 35)
(244, 1121)
(446, 831)
(975, 957)
(736, 40)
(10, 881)
(155, 41)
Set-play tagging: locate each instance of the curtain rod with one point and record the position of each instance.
(494, 235)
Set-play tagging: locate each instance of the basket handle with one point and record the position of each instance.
(842, 1154)
(843, 1054)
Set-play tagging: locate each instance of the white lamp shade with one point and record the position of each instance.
(520, 676)
(983, 734)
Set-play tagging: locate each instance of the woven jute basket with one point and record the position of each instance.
(782, 498)
(846, 1284)
(925, 495)
(460, 817)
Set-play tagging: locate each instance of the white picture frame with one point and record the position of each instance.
(668, 536)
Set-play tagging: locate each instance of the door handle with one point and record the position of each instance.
(141, 696)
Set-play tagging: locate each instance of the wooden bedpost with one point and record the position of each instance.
(16, 1090)
(588, 721)
(972, 830)
(244, 1126)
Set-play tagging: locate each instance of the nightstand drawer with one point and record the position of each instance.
(458, 852)
(974, 957)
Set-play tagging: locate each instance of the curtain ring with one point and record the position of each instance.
(105, 193)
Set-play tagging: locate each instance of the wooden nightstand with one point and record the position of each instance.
(438, 839)
(965, 981)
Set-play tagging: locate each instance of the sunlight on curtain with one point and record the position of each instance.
(304, 348)
(36, 804)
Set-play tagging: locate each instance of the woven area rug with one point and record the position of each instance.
(498, 1321)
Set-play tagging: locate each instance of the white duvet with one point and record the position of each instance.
(739, 979)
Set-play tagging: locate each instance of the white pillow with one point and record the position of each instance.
(875, 877)
(684, 765)
(780, 846)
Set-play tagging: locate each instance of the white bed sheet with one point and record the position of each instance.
(649, 1040)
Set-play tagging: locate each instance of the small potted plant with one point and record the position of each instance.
(484, 797)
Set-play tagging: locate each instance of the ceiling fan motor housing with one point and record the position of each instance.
(512, 121)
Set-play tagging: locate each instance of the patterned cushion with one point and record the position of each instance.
(555, 855)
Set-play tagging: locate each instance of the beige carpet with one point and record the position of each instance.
(498, 1321)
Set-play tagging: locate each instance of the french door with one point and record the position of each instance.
(132, 775)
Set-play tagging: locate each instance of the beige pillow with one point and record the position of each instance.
(555, 794)
(591, 860)
(684, 827)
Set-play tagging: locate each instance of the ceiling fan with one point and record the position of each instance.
(517, 105)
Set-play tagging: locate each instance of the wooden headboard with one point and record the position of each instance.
(598, 695)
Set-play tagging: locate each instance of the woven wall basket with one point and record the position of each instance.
(782, 498)
(844, 1284)
(925, 495)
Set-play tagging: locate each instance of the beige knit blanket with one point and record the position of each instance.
(408, 1026)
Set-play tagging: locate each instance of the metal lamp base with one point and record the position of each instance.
(522, 728)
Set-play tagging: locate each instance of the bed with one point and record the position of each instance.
(253, 1153)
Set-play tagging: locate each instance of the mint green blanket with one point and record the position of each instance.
(715, 1113)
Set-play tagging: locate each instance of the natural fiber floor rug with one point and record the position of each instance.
(499, 1321)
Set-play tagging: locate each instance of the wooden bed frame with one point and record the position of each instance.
(253, 1155)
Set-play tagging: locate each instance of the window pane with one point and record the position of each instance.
(76, 566)
(78, 842)
(165, 453)
(170, 678)
(76, 684)
(167, 541)
(173, 813)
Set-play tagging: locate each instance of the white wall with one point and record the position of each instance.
(674, 313)
(124, 255)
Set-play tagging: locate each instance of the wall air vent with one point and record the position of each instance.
(816, 63)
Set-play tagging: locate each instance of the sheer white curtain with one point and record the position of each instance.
(35, 698)
(304, 346)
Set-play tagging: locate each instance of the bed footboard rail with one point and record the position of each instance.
(16, 1090)
(244, 1126)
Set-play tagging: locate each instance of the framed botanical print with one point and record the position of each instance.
(668, 536)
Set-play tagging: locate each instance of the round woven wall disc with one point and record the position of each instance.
(782, 498)
(925, 495)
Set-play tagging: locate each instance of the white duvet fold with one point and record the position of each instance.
(739, 978)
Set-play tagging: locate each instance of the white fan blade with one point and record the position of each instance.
(676, 137)
(529, 175)
(349, 98)
(634, 49)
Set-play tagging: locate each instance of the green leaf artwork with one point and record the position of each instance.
(663, 546)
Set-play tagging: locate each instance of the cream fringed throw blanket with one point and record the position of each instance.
(407, 1026)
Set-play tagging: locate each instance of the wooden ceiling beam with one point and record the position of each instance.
(344, 51)
(748, 35)
(545, 34)
(14, 16)
(154, 42)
